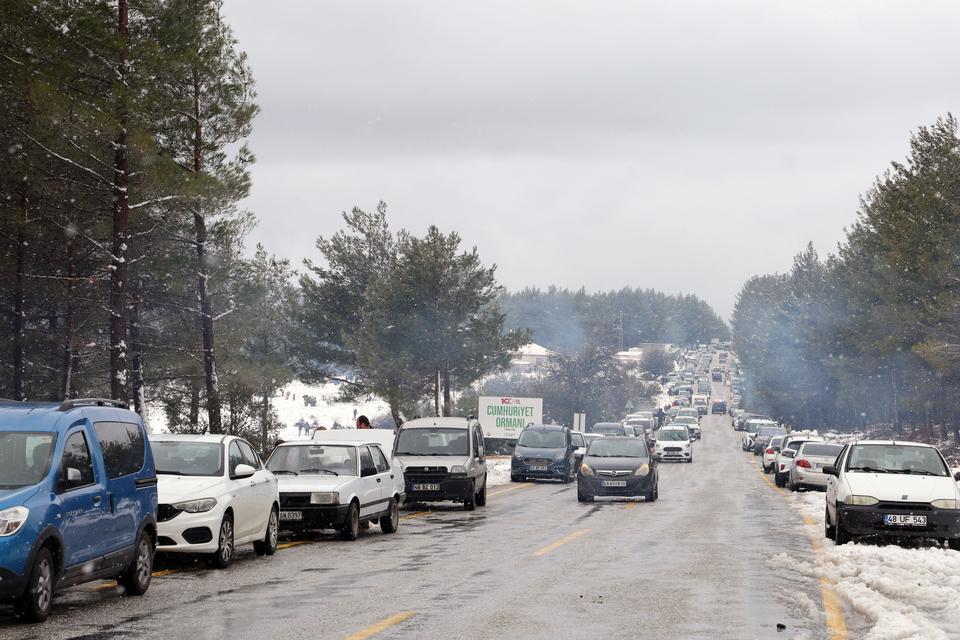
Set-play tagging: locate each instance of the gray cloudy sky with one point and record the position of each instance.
(682, 146)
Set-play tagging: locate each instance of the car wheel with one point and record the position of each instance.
(390, 522)
(351, 528)
(470, 500)
(841, 535)
(829, 531)
(34, 604)
(583, 497)
(268, 546)
(136, 579)
(651, 495)
(225, 545)
(482, 494)
(514, 478)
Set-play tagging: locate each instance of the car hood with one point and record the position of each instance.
(16, 497)
(307, 484)
(433, 461)
(537, 452)
(888, 487)
(673, 443)
(619, 464)
(171, 488)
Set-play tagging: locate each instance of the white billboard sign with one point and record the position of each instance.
(502, 417)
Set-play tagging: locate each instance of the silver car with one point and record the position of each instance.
(808, 464)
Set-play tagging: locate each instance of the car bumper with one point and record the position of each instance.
(811, 479)
(673, 455)
(554, 471)
(450, 489)
(12, 584)
(314, 517)
(190, 532)
(635, 485)
(867, 521)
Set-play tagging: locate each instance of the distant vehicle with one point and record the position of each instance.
(770, 452)
(443, 459)
(215, 495)
(629, 430)
(763, 436)
(893, 489)
(544, 452)
(703, 386)
(609, 429)
(751, 428)
(788, 450)
(701, 403)
(690, 423)
(580, 447)
(717, 375)
(673, 443)
(808, 464)
(719, 406)
(337, 485)
(689, 413)
(78, 496)
(617, 467)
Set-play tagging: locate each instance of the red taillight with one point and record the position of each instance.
(803, 463)
(770, 451)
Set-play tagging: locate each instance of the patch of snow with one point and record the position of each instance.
(498, 471)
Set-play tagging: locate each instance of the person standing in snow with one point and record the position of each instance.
(363, 422)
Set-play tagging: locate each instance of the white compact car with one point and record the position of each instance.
(673, 443)
(337, 484)
(214, 494)
(808, 464)
(892, 489)
(770, 452)
(783, 462)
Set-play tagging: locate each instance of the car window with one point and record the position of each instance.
(577, 439)
(366, 460)
(122, 445)
(380, 460)
(439, 441)
(250, 456)
(24, 458)
(235, 457)
(478, 436)
(76, 455)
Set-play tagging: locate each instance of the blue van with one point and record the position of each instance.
(78, 500)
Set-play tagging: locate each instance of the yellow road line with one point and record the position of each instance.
(164, 572)
(630, 505)
(559, 543)
(381, 626)
(415, 514)
(509, 489)
(113, 583)
(293, 543)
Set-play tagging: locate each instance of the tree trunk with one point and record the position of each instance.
(265, 420)
(121, 223)
(70, 322)
(136, 354)
(194, 417)
(395, 412)
(19, 289)
(896, 399)
(436, 392)
(447, 408)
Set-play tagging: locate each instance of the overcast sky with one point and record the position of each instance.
(682, 146)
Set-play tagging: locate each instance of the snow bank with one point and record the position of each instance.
(498, 471)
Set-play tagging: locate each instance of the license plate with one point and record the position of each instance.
(901, 520)
(614, 483)
(818, 466)
(291, 515)
(426, 487)
(538, 468)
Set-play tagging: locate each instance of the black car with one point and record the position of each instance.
(617, 466)
(609, 429)
(544, 451)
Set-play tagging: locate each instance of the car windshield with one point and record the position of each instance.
(185, 458)
(892, 458)
(770, 431)
(24, 458)
(672, 434)
(314, 459)
(618, 448)
(686, 420)
(542, 439)
(433, 442)
(822, 450)
(608, 428)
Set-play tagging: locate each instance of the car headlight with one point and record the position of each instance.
(325, 497)
(861, 501)
(458, 470)
(12, 519)
(586, 470)
(196, 506)
(946, 503)
(643, 470)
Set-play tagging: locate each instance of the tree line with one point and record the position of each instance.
(871, 334)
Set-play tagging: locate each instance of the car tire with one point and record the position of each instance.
(351, 527)
(34, 605)
(829, 531)
(651, 496)
(136, 579)
(514, 478)
(391, 521)
(583, 497)
(225, 544)
(841, 535)
(482, 494)
(470, 500)
(268, 546)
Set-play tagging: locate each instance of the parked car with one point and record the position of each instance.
(443, 459)
(785, 457)
(673, 443)
(690, 423)
(78, 496)
(689, 413)
(616, 466)
(214, 495)
(609, 429)
(337, 485)
(719, 406)
(763, 436)
(807, 469)
(892, 489)
(544, 451)
(770, 453)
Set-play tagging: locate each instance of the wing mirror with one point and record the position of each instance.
(956, 476)
(243, 471)
(831, 470)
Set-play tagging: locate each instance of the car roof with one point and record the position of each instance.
(332, 443)
(607, 424)
(421, 423)
(189, 437)
(896, 442)
(54, 416)
(545, 427)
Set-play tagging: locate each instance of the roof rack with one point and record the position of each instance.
(72, 403)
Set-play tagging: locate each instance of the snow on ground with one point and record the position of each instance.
(498, 471)
(903, 593)
(290, 408)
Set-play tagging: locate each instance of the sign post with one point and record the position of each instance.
(505, 417)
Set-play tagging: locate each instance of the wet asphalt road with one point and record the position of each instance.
(534, 563)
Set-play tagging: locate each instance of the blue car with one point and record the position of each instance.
(544, 451)
(78, 500)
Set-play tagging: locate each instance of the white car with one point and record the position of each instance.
(337, 484)
(895, 489)
(770, 453)
(214, 494)
(673, 443)
(783, 462)
(807, 469)
(691, 423)
(689, 413)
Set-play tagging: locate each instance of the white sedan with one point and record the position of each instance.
(214, 494)
(337, 484)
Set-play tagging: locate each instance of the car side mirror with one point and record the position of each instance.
(243, 471)
(831, 470)
(368, 471)
(71, 479)
(956, 476)
(73, 475)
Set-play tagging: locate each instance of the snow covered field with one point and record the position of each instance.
(904, 593)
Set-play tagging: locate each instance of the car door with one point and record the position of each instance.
(122, 446)
(242, 494)
(82, 502)
(371, 484)
(480, 457)
(385, 473)
(832, 484)
(263, 483)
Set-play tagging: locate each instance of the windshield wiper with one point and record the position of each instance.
(319, 471)
(869, 469)
(919, 472)
(276, 471)
(161, 472)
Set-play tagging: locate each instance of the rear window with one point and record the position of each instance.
(825, 450)
(123, 447)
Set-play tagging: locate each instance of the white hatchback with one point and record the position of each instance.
(214, 494)
(673, 443)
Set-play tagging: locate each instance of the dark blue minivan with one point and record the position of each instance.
(78, 500)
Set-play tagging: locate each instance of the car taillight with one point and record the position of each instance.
(770, 451)
(803, 463)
